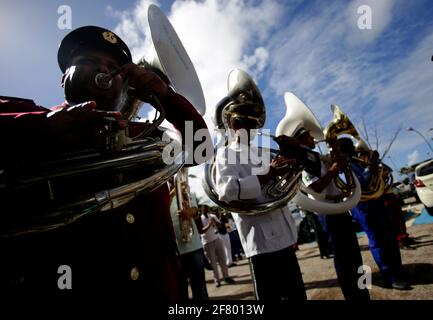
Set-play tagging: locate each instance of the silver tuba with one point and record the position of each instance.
(298, 115)
(244, 99)
(61, 190)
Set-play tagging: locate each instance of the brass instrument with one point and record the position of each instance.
(299, 116)
(245, 101)
(380, 182)
(341, 124)
(41, 195)
(183, 197)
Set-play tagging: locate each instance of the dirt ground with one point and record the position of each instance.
(321, 281)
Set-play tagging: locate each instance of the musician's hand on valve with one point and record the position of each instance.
(280, 163)
(82, 125)
(188, 213)
(278, 167)
(144, 82)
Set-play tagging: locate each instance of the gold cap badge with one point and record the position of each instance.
(110, 37)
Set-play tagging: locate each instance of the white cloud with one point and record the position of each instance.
(315, 52)
(312, 57)
(413, 158)
(257, 62)
(405, 99)
(219, 35)
(408, 97)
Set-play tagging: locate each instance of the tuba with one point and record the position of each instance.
(381, 181)
(59, 191)
(244, 99)
(169, 59)
(298, 115)
(341, 124)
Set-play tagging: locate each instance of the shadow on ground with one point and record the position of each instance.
(240, 296)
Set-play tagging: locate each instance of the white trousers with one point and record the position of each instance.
(228, 247)
(214, 251)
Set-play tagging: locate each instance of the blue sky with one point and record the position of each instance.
(313, 48)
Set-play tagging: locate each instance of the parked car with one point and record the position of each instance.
(424, 184)
(406, 190)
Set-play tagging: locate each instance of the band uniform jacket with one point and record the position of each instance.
(130, 249)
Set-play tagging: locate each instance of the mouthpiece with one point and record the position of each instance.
(105, 80)
(266, 135)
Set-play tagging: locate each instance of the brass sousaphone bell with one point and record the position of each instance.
(340, 125)
(39, 196)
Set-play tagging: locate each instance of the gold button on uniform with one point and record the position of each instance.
(135, 274)
(130, 218)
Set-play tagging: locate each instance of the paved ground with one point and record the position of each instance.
(319, 275)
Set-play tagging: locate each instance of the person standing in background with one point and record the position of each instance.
(191, 252)
(213, 246)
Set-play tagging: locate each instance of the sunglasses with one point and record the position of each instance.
(246, 123)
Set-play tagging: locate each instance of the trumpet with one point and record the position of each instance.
(183, 197)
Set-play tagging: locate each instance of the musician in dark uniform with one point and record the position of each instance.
(375, 221)
(130, 249)
(341, 234)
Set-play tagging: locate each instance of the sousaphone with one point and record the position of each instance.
(37, 196)
(298, 115)
(244, 99)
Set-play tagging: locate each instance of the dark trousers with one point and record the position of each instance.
(192, 269)
(384, 248)
(322, 235)
(236, 244)
(277, 276)
(347, 254)
(393, 207)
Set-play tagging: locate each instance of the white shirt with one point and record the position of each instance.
(211, 234)
(331, 189)
(260, 233)
(232, 225)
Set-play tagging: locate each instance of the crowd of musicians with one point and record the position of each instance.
(140, 247)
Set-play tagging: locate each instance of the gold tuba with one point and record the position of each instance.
(61, 190)
(380, 182)
(340, 125)
(244, 99)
